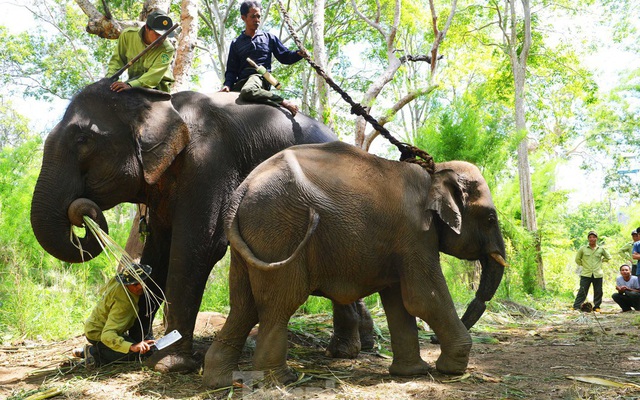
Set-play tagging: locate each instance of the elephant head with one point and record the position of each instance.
(468, 227)
(109, 148)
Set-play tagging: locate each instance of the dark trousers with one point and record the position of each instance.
(104, 355)
(585, 282)
(627, 300)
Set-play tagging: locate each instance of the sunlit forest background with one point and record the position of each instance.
(569, 122)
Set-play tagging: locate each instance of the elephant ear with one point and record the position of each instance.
(162, 135)
(447, 198)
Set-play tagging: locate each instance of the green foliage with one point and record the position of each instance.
(472, 129)
(43, 301)
(216, 293)
(39, 295)
(45, 65)
(591, 216)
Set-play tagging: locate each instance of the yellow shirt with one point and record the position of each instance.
(114, 314)
(591, 260)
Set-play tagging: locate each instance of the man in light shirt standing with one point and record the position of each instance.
(590, 258)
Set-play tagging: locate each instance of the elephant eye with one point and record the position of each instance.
(81, 139)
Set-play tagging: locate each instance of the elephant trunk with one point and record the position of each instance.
(51, 224)
(492, 270)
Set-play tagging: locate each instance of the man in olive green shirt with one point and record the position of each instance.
(590, 258)
(107, 328)
(626, 252)
(152, 70)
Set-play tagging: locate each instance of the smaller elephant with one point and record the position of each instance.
(335, 221)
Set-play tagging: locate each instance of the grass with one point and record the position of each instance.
(50, 304)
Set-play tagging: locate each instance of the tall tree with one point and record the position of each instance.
(320, 57)
(387, 32)
(187, 42)
(515, 25)
(217, 17)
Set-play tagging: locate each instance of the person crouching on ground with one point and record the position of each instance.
(107, 328)
(628, 288)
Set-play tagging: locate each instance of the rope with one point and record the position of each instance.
(408, 152)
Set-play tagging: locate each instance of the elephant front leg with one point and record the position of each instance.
(365, 326)
(187, 277)
(404, 335)
(434, 305)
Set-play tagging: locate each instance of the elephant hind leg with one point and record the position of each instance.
(404, 335)
(271, 353)
(223, 355)
(271, 347)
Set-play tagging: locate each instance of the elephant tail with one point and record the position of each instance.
(238, 243)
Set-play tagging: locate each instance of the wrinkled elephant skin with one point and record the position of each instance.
(182, 155)
(335, 221)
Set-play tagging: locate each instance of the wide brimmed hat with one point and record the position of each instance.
(136, 273)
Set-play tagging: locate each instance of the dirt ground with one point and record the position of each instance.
(518, 353)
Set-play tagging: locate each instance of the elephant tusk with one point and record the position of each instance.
(499, 259)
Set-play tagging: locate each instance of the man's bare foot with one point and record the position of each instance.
(293, 109)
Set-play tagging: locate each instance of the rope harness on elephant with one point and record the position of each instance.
(408, 152)
(217, 338)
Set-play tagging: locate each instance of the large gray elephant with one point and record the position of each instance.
(335, 221)
(182, 155)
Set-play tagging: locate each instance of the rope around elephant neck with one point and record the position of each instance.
(408, 153)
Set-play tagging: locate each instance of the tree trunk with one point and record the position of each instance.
(519, 68)
(187, 41)
(388, 32)
(320, 56)
(135, 241)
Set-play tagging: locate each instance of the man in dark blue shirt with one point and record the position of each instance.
(259, 46)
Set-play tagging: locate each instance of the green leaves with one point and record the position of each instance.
(56, 58)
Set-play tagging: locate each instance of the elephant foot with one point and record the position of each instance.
(280, 376)
(217, 379)
(367, 341)
(455, 364)
(343, 348)
(409, 369)
(172, 362)
(221, 365)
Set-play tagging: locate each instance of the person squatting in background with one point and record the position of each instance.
(628, 287)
